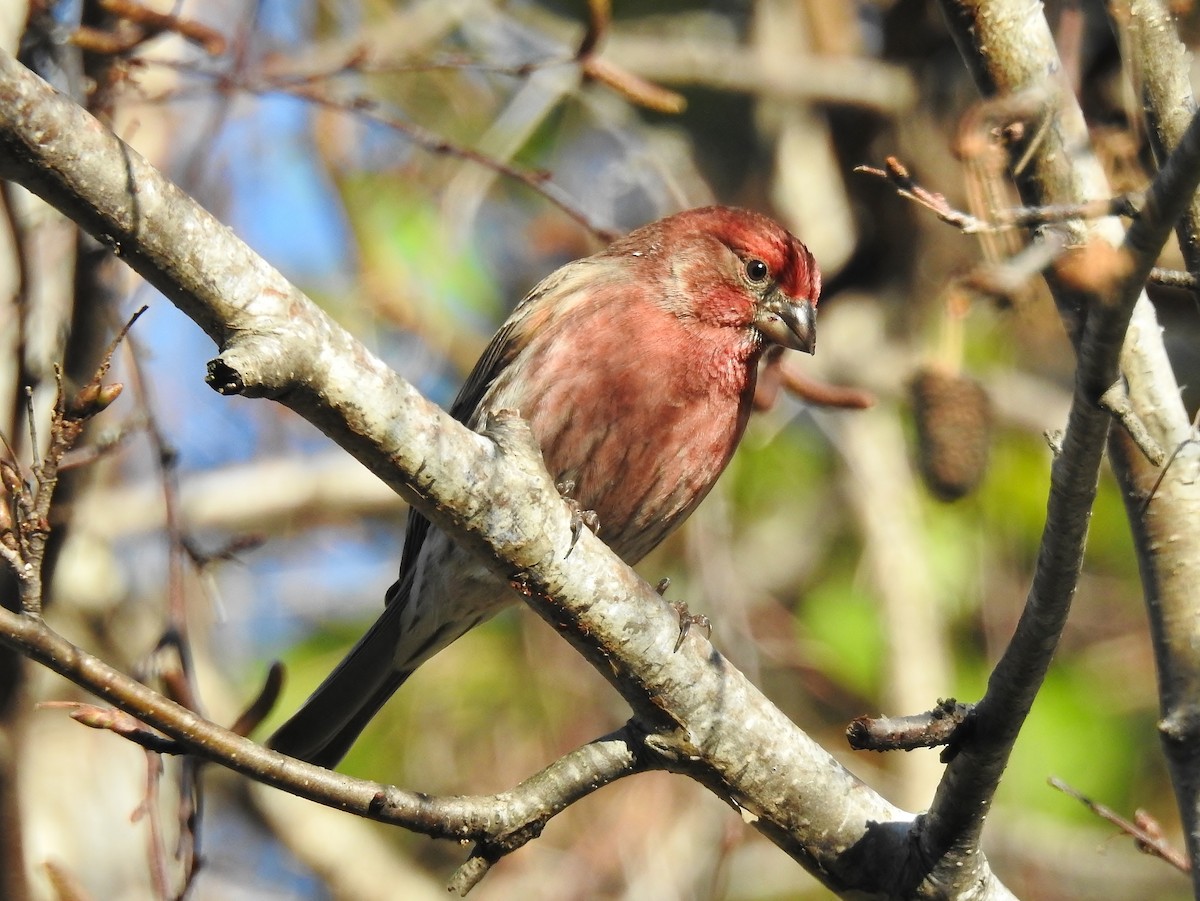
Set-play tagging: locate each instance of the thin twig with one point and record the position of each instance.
(1144, 839)
(1002, 281)
(599, 20)
(776, 375)
(1193, 439)
(177, 672)
(1173, 278)
(1019, 217)
(31, 418)
(470, 873)
(118, 722)
(940, 726)
(1116, 401)
(258, 709)
(148, 810)
(372, 110)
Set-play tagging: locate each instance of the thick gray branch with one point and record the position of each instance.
(490, 491)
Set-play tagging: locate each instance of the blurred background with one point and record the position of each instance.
(416, 167)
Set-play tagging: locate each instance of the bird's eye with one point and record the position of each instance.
(756, 271)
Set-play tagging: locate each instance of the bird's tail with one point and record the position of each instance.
(328, 723)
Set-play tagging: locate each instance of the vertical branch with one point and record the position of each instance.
(1160, 66)
(1164, 524)
(1010, 49)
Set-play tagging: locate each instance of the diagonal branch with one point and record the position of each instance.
(701, 716)
(499, 822)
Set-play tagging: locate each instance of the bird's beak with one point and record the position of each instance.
(788, 322)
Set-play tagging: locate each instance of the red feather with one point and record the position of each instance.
(636, 370)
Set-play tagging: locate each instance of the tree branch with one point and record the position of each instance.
(1159, 65)
(499, 822)
(1012, 49)
(1163, 504)
(701, 716)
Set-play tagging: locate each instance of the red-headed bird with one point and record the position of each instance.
(635, 369)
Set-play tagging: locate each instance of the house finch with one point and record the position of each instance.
(635, 369)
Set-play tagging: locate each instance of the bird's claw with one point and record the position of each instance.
(579, 517)
(687, 619)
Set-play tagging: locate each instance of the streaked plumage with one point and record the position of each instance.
(635, 368)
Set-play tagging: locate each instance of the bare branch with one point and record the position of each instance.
(118, 722)
(569, 778)
(942, 725)
(258, 709)
(500, 823)
(1149, 840)
(1173, 278)
(695, 707)
(667, 59)
(372, 110)
(775, 375)
(1168, 548)
(1020, 217)
(25, 522)
(142, 24)
(1159, 65)
(1011, 51)
(1116, 401)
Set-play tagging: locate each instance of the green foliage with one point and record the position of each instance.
(778, 468)
(844, 638)
(1013, 496)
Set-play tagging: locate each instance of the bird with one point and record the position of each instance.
(635, 369)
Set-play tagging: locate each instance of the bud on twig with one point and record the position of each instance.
(93, 398)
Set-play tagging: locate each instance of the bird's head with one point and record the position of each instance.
(735, 267)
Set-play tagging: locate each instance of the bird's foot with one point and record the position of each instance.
(687, 619)
(579, 516)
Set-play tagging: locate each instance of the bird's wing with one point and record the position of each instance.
(505, 345)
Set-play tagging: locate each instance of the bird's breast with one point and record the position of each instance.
(641, 421)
